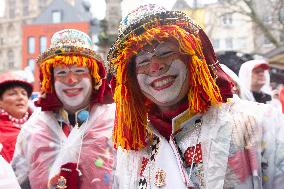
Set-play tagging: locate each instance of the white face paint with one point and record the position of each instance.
(76, 96)
(166, 89)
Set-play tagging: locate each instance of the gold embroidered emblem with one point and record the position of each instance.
(160, 178)
(61, 183)
(177, 122)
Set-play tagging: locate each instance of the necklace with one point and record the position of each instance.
(197, 147)
(148, 168)
(17, 122)
(188, 148)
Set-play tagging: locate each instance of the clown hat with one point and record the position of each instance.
(69, 42)
(69, 47)
(144, 18)
(11, 78)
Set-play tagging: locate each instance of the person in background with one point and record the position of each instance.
(14, 110)
(177, 125)
(255, 76)
(67, 144)
(7, 175)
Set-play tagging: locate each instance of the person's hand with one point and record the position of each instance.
(67, 178)
(52, 183)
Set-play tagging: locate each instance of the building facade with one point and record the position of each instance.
(56, 16)
(227, 30)
(16, 14)
(113, 15)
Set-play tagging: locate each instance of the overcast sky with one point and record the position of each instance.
(98, 6)
(128, 5)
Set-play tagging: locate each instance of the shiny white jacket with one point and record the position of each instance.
(42, 148)
(242, 148)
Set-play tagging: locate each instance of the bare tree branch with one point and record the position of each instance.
(249, 9)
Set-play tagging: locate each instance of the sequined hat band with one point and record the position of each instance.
(145, 18)
(69, 42)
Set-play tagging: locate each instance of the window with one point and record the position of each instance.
(12, 9)
(281, 14)
(267, 41)
(56, 16)
(41, 4)
(10, 55)
(229, 43)
(281, 37)
(31, 45)
(216, 43)
(11, 30)
(1, 41)
(42, 44)
(25, 7)
(267, 19)
(95, 38)
(31, 64)
(227, 19)
(12, 13)
(25, 10)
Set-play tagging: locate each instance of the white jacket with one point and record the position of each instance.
(242, 148)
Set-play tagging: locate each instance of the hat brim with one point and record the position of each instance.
(151, 21)
(67, 50)
(263, 66)
(27, 86)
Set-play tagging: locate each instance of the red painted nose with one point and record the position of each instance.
(156, 65)
(71, 79)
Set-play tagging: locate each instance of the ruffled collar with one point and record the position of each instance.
(17, 122)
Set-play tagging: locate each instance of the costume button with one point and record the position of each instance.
(106, 178)
(99, 162)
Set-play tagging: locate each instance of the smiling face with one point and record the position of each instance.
(162, 74)
(15, 101)
(73, 86)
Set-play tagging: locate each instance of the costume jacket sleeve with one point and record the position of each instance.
(20, 162)
(7, 176)
(256, 152)
(278, 121)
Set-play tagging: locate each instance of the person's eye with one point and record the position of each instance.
(24, 93)
(79, 71)
(143, 62)
(165, 53)
(11, 93)
(61, 73)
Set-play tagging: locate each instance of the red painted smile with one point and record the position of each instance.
(72, 92)
(163, 82)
